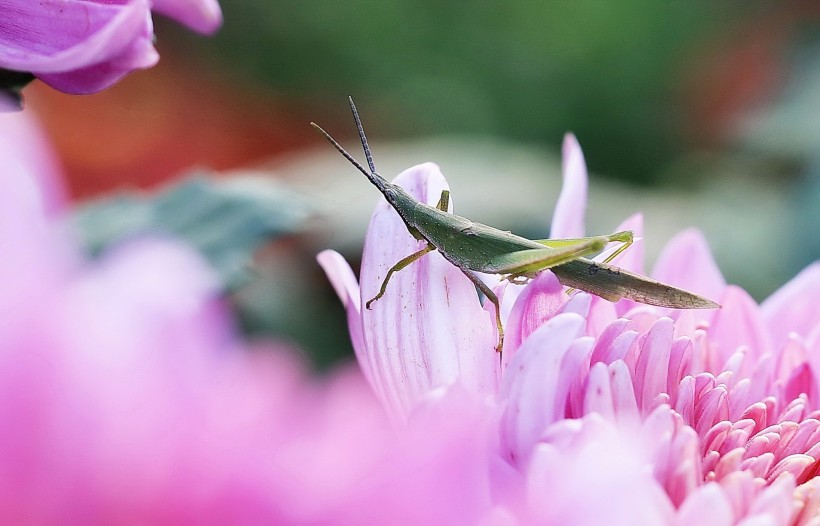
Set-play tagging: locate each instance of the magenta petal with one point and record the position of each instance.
(51, 37)
(795, 307)
(203, 16)
(568, 218)
(687, 262)
(92, 79)
(429, 329)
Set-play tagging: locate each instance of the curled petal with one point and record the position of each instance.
(203, 16)
(568, 218)
(140, 54)
(84, 46)
(49, 37)
(77, 47)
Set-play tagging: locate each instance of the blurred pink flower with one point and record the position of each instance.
(126, 397)
(84, 46)
(721, 408)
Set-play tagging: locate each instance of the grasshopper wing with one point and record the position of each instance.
(613, 283)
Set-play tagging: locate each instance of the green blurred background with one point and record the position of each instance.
(698, 113)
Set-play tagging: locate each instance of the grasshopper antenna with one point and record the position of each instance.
(374, 178)
(341, 150)
(362, 136)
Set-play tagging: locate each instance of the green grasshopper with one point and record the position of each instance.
(473, 247)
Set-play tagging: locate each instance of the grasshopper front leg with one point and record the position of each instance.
(443, 205)
(397, 267)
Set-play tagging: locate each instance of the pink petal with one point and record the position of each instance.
(687, 262)
(568, 218)
(26, 154)
(598, 476)
(775, 503)
(429, 329)
(738, 324)
(795, 306)
(652, 368)
(708, 506)
(344, 283)
(203, 16)
(538, 302)
(531, 382)
(598, 397)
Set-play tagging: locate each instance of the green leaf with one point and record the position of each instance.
(226, 220)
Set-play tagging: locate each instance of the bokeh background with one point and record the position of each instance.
(697, 113)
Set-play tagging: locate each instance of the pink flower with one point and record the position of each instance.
(721, 408)
(127, 397)
(84, 46)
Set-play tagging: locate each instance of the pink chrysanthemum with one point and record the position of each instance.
(127, 398)
(607, 413)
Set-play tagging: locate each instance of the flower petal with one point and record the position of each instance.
(568, 217)
(737, 324)
(429, 329)
(50, 37)
(795, 306)
(541, 300)
(531, 384)
(687, 262)
(344, 283)
(708, 506)
(140, 54)
(203, 16)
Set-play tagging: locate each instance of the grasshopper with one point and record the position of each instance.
(473, 247)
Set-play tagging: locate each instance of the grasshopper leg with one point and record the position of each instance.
(487, 291)
(444, 201)
(625, 238)
(397, 267)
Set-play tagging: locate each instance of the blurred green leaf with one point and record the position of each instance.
(226, 220)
